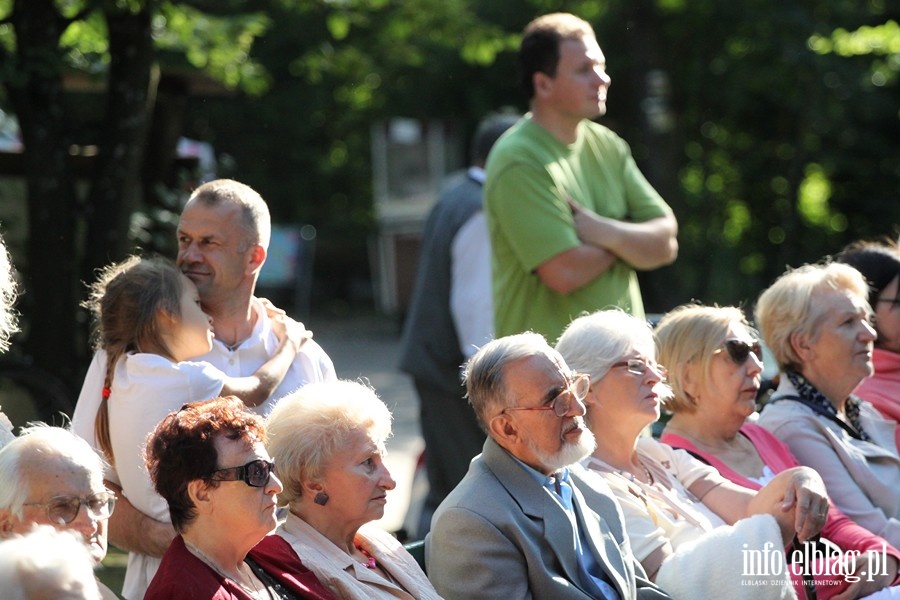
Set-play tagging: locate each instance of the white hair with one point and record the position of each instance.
(41, 442)
(310, 425)
(8, 292)
(593, 343)
(47, 563)
(484, 372)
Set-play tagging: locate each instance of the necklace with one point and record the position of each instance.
(598, 464)
(255, 592)
(631, 477)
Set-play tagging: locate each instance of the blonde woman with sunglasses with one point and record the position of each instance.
(681, 516)
(715, 367)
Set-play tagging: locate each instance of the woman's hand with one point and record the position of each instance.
(796, 498)
(805, 494)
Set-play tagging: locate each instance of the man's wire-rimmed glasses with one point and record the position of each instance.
(62, 510)
(561, 404)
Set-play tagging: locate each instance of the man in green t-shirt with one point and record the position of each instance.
(569, 214)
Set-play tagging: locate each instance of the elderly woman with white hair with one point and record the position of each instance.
(816, 320)
(47, 563)
(677, 509)
(328, 444)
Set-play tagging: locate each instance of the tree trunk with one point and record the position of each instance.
(651, 91)
(50, 274)
(115, 187)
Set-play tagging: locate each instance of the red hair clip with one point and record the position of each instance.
(105, 393)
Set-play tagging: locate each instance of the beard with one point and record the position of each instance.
(570, 453)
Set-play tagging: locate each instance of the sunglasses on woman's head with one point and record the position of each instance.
(739, 350)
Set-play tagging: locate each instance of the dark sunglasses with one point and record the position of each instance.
(739, 350)
(255, 473)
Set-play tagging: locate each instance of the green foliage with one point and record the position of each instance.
(785, 122)
(813, 195)
(790, 136)
(784, 127)
(219, 45)
(878, 40)
(86, 44)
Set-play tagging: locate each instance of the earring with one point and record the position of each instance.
(321, 499)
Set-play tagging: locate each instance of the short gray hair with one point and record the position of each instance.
(255, 218)
(790, 305)
(593, 343)
(43, 442)
(308, 426)
(484, 377)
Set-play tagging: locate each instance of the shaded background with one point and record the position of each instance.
(770, 127)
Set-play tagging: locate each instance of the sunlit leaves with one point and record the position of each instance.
(813, 197)
(86, 44)
(482, 48)
(218, 45)
(338, 25)
(880, 40)
(7, 37)
(737, 221)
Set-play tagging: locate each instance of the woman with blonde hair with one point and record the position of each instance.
(715, 366)
(818, 324)
(328, 443)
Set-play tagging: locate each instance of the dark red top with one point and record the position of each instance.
(183, 576)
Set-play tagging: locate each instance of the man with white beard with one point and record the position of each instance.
(527, 521)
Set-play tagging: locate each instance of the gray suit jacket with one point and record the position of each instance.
(500, 534)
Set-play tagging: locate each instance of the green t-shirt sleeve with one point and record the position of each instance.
(531, 214)
(643, 201)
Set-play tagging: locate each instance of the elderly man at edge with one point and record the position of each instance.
(223, 238)
(507, 530)
(52, 477)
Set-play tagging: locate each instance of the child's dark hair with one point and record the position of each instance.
(126, 302)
